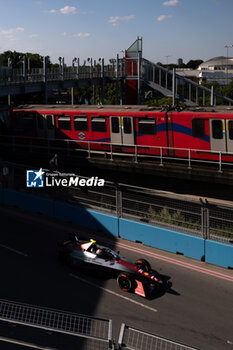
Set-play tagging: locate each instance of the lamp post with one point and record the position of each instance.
(167, 59)
(227, 47)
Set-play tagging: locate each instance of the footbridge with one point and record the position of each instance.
(138, 73)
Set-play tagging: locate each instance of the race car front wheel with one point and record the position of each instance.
(125, 282)
(144, 265)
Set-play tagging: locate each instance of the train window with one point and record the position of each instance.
(80, 123)
(64, 122)
(115, 125)
(127, 125)
(147, 127)
(217, 130)
(198, 128)
(98, 124)
(40, 121)
(49, 119)
(230, 129)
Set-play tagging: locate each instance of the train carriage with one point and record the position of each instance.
(201, 133)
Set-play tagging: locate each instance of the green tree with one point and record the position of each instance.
(193, 64)
(36, 60)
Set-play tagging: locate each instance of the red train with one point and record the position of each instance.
(205, 131)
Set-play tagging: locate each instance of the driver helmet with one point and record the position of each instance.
(99, 251)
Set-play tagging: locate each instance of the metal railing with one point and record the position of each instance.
(96, 331)
(210, 219)
(92, 333)
(186, 156)
(157, 77)
(131, 338)
(172, 84)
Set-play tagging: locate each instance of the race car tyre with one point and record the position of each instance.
(144, 265)
(125, 282)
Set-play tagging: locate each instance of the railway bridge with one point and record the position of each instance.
(133, 69)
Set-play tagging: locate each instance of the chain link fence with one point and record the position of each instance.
(134, 339)
(186, 214)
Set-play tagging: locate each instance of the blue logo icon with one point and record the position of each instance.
(35, 178)
(81, 136)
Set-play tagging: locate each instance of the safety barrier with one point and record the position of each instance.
(199, 248)
(134, 339)
(97, 332)
(220, 254)
(175, 242)
(92, 333)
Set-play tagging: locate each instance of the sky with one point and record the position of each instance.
(187, 29)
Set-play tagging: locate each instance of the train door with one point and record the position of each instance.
(122, 130)
(221, 135)
(229, 135)
(41, 132)
(49, 122)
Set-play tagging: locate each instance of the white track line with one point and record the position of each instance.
(174, 261)
(13, 250)
(113, 293)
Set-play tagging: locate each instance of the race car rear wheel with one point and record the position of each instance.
(144, 265)
(125, 282)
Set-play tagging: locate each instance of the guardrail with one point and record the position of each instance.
(85, 71)
(131, 338)
(210, 219)
(96, 331)
(187, 156)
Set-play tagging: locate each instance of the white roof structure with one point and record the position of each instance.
(219, 69)
(217, 63)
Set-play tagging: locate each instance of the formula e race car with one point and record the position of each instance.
(136, 277)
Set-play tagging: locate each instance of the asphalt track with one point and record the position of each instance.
(196, 310)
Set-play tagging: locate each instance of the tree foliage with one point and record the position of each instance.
(36, 60)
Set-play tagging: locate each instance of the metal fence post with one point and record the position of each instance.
(110, 340)
(220, 162)
(205, 221)
(111, 151)
(161, 156)
(121, 336)
(173, 87)
(102, 82)
(89, 151)
(118, 207)
(118, 202)
(135, 154)
(189, 167)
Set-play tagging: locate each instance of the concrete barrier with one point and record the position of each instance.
(86, 218)
(219, 254)
(164, 239)
(28, 202)
(194, 247)
(60, 210)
